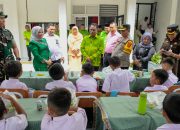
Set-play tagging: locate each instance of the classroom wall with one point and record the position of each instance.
(178, 14)
(163, 15)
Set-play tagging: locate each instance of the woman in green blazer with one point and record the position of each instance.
(40, 50)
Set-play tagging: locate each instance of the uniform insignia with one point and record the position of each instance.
(128, 47)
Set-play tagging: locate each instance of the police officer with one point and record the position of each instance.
(7, 44)
(171, 47)
(124, 47)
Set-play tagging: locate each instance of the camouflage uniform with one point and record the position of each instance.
(6, 43)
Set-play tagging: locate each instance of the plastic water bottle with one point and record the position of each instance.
(39, 105)
(142, 103)
(114, 93)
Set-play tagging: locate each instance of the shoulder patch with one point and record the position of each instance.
(128, 47)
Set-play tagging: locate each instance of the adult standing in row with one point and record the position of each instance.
(54, 44)
(112, 39)
(27, 36)
(92, 47)
(171, 47)
(74, 42)
(39, 49)
(124, 47)
(7, 44)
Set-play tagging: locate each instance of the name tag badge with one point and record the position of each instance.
(57, 42)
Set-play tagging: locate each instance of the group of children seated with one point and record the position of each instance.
(61, 116)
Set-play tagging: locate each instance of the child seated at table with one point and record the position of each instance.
(18, 122)
(58, 116)
(14, 71)
(118, 79)
(171, 112)
(56, 71)
(167, 65)
(87, 83)
(157, 79)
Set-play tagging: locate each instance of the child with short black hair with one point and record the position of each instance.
(18, 122)
(118, 79)
(157, 79)
(171, 112)
(59, 101)
(167, 65)
(56, 71)
(86, 83)
(14, 71)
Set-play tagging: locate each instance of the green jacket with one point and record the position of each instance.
(27, 35)
(92, 47)
(40, 52)
(84, 32)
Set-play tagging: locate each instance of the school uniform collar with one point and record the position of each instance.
(86, 76)
(13, 79)
(60, 118)
(169, 71)
(117, 69)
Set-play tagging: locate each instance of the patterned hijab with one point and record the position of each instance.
(35, 31)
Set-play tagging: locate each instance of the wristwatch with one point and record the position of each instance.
(18, 58)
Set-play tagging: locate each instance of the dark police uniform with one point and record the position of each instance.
(6, 45)
(173, 45)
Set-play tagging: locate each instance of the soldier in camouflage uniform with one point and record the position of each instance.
(7, 43)
(171, 47)
(124, 47)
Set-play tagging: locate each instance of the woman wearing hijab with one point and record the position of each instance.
(143, 52)
(74, 42)
(40, 50)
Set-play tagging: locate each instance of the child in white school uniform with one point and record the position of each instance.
(14, 71)
(167, 65)
(18, 122)
(157, 79)
(56, 71)
(86, 83)
(60, 115)
(118, 79)
(171, 112)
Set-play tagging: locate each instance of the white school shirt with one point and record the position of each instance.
(54, 46)
(156, 88)
(18, 122)
(13, 84)
(144, 25)
(172, 79)
(86, 83)
(77, 121)
(60, 84)
(169, 127)
(118, 80)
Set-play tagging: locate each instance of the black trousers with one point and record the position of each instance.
(106, 59)
(142, 32)
(29, 52)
